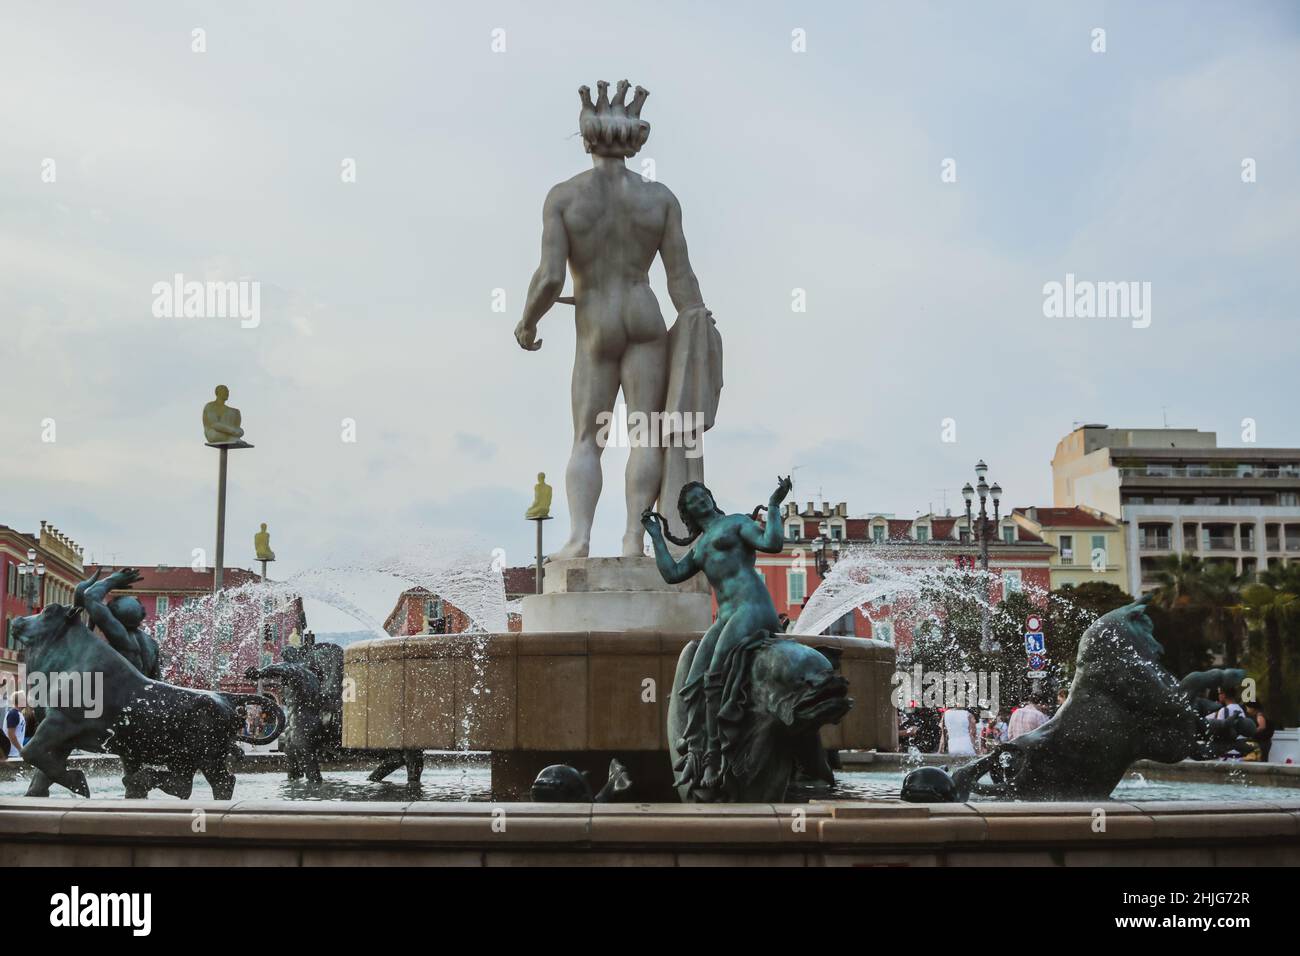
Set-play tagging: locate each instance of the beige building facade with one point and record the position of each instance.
(1090, 544)
(1177, 492)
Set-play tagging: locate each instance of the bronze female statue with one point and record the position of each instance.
(723, 547)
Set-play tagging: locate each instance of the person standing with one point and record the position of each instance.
(1026, 718)
(958, 734)
(15, 732)
(1264, 735)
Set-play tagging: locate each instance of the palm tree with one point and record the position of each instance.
(1220, 593)
(1199, 597)
(1180, 580)
(1272, 605)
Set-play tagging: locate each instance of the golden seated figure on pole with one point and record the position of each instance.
(262, 544)
(221, 422)
(541, 507)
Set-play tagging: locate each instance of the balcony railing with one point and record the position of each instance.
(1220, 544)
(1156, 544)
(1192, 471)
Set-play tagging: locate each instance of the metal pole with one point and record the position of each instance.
(985, 642)
(221, 523)
(538, 522)
(263, 572)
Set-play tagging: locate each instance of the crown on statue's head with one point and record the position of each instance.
(613, 127)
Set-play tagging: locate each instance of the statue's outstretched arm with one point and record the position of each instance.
(548, 280)
(117, 581)
(673, 572)
(92, 599)
(683, 287)
(1199, 681)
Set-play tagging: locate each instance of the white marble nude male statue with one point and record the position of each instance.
(607, 224)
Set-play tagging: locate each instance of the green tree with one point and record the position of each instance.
(1071, 609)
(1271, 610)
(1191, 609)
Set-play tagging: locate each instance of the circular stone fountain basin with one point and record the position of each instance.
(579, 697)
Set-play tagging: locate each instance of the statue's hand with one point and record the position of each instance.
(650, 521)
(783, 486)
(126, 577)
(695, 309)
(526, 336)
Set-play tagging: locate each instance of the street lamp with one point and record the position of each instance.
(825, 556)
(981, 532)
(30, 575)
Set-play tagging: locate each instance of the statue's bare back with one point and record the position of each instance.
(615, 224)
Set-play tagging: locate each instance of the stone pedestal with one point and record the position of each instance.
(615, 594)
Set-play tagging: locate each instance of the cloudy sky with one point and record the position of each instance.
(819, 170)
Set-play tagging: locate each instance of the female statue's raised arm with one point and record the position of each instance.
(769, 540)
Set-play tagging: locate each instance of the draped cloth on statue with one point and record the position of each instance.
(694, 389)
(741, 757)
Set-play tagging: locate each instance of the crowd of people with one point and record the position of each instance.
(970, 731)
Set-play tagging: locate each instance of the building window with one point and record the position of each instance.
(1066, 544)
(160, 619)
(878, 534)
(922, 532)
(1099, 552)
(843, 626)
(1010, 582)
(883, 631)
(9, 634)
(837, 533)
(1008, 534)
(796, 583)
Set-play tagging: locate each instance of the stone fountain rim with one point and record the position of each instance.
(571, 643)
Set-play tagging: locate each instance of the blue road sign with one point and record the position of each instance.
(1034, 643)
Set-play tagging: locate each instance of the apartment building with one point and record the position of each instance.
(1178, 492)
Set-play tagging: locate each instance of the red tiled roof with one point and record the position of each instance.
(1065, 518)
(178, 579)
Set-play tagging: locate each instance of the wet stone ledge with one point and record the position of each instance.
(64, 832)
